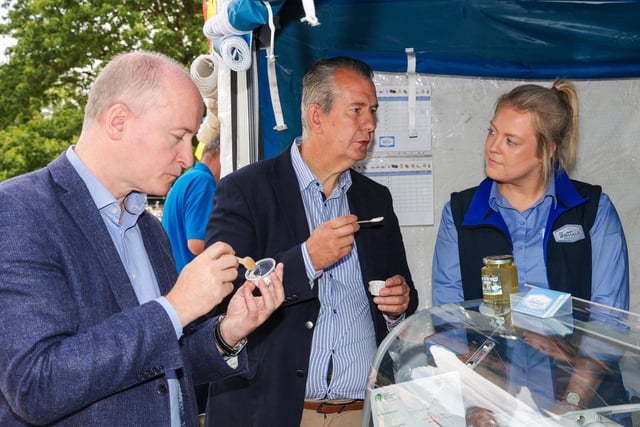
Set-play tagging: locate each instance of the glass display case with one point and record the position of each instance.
(463, 365)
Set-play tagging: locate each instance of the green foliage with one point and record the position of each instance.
(35, 143)
(60, 47)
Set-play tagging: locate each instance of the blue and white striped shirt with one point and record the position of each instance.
(344, 341)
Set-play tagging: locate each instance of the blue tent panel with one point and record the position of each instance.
(529, 39)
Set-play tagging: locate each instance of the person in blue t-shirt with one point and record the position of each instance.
(186, 213)
(189, 203)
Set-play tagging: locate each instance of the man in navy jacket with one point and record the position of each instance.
(312, 358)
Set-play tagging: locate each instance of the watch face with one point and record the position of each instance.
(573, 398)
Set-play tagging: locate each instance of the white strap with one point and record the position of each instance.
(271, 74)
(412, 79)
(310, 13)
(275, 97)
(271, 57)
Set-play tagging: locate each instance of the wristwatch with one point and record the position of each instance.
(227, 350)
(573, 398)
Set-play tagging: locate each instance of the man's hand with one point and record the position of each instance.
(480, 417)
(332, 241)
(551, 346)
(394, 297)
(204, 282)
(246, 311)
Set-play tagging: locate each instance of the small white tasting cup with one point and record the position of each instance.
(375, 286)
(264, 268)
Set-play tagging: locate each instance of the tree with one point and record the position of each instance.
(60, 47)
(35, 143)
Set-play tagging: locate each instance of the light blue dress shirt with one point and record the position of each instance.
(344, 337)
(610, 269)
(128, 241)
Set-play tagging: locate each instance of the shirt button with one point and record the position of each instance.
(299, 373)
(308, 324)
(162, 389)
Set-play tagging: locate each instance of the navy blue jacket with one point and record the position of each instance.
(259, 211)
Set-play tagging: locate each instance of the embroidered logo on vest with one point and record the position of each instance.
(569, 233)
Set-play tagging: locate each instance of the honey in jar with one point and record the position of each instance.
(499, 281)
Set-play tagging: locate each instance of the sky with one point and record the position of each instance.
(4, 41)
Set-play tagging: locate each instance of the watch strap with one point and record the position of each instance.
(227, 350)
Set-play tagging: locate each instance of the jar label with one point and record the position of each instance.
(491, 285)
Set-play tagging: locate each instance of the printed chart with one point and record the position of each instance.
(410, 180)
(400, 155)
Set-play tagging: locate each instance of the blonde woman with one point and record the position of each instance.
(563, 234)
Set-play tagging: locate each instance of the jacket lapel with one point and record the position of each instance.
(159, 254)
(76, 199)
(285, 185)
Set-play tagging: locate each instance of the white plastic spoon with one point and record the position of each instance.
(376, 219)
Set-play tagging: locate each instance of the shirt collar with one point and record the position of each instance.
(134, 203)
(497, 199)
(306, 178)
(202, 168)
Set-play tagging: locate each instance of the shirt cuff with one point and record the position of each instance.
(232, 361)
(392, 323)
(173, 315)
(312, 274)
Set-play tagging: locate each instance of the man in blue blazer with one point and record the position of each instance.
(311, 359)
(94, 316)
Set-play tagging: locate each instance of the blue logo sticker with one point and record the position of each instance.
(569, 233)
(387, 141)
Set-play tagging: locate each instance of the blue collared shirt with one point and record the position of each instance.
(610, 269)
(344, 336)
(128, 241)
